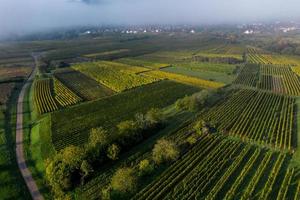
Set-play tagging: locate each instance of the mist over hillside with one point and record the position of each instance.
(19, 17)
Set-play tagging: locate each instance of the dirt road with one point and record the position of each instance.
(31, 185)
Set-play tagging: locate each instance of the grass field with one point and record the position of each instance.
(209, 75)
(184, 79)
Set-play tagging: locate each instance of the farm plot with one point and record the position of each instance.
(70, 128)
(180, 131)
(248, 76)
(279, 79)
(257, 116)
(184, 79)
(118, 77)
(14, 72)
(296, 70)
(209, 71)
(106, 53)
(5, 92)
(43, 98)
(255, 57)
(83, 86)
(276, 78)
(222, 169)
(206, 66)
(63, 95)
(142, 63)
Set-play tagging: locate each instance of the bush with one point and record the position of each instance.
(63, 171)
(191, 140)
(86, 169)
(124, 181)
(145, 167)
(98, 136)
(154, 116)
(165, 151)
(113, 152)
(194, 102)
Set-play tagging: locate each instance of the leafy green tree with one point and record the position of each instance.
(86, 169)
(154, 116)
(201, 127)
(191, 140)
(98, 136)
(113, 152)
(72, 156)
(129, 133)
(165, 151)
(126, 128)
(106, 193)
(145, 167)
(182, 104)
(124, 180)
(141, 121)
(63, 168)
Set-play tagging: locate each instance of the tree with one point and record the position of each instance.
(165, 151)
(124, 180)
(182, 104)
(198, 127)
(113, 152)
(191, 140)
(126, 128)
(154, 116)
(98, 136)
(128, 133)
(58, 175)
(86, 169)
(72, 156)
(202, 127)
(62, 170)
(141, 121)
(145, 167)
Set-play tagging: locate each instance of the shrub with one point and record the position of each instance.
(145, 167)
(165, 151)
(63, 171)
(98, 136)
(113, 152)
(191, 140)
(124, 181)
(86, 169)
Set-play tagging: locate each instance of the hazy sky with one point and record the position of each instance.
(18, 16)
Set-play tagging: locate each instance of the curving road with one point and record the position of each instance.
(31, 185)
